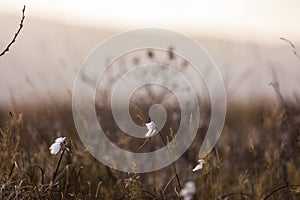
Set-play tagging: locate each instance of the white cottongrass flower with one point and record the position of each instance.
(56, 146)
(152, 129)
(188, 191)
(199, 166)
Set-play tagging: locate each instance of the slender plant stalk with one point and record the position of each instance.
(153, 173)
(277, 189)
(55, 174)
(173, 165)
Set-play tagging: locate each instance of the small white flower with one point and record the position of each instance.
(188, 191)
(60, 139)
(152, 129)
(56, 146)
(199, 166)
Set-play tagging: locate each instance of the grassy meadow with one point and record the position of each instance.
(256, 157)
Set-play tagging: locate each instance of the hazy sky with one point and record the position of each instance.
(234, 19)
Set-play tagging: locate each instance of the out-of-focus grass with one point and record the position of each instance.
(258, 152)
(256, 157)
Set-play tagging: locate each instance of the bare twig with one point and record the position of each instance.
(16, 34)
(293, 46)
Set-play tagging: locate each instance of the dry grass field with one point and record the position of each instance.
(256, 157)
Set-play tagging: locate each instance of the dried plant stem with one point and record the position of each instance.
(16, 34)
(55, 173)
(280, 188)
(286, 109)
(140, 147)
(98, 189)
(153, 173)
(173, 165)
(34, 182)
(285, 173)
(168, 183)
(58, 164)
(235, 194)
(293, 46)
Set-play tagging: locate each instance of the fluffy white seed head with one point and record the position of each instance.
(56, 146)
(199, 166)
(60, 139)
(188, 191)
(152, 129)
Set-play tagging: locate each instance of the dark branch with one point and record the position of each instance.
(293, 46)
(280, 188)
(16, 34)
